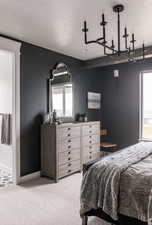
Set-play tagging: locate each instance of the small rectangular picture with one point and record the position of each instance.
(94, 100)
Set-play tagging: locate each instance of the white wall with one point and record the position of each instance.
(6, 69)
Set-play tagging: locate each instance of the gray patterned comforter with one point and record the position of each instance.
(120, 182)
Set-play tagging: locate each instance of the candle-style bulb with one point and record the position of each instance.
(143, 49)
(125, 31)
(103, 23)
(112, 44)
(85, 29)
(103, 18)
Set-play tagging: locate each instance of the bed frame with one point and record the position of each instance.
(123, 220)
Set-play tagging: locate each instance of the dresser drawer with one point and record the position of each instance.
(90, 157)
(91, 153)
(65, 157)
(90, 139)
(91, 129)
(91, 148)
(69, 168)
(68, 132)
(68, 144)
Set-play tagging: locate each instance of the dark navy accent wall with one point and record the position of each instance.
(86, 81)
(119, 106)
(36, 63)
(120, 113)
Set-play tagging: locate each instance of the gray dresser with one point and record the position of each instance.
(90, 141)
(65, 147)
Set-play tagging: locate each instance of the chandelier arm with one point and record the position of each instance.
(125, 51)
(105, 53)
(100, 39)
(92, 42)
(85, 30)
(106, 46)
(121, 52)
(100, 43)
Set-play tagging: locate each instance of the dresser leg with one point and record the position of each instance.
(56, 180)
(84, 220)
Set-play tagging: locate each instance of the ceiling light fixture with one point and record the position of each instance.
(129, 47)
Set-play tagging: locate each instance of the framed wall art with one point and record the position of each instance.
(94, 100)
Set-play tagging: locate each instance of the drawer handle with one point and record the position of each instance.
(90, 152)
(69, 128)
(69, 140)
(90, 157)
(90, 131)
(90, 147)
(90, 142)
(69, 135)
(69, 146)
(90, 136)
(69, 171)
(69, 153)
(69, 158)
(90, 126)
(69, 164)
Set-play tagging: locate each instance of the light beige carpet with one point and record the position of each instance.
(40, 202)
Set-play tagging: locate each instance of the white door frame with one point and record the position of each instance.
(14, 48)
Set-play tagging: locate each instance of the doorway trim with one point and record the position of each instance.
(14, 48)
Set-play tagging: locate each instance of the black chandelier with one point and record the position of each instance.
(129, 48)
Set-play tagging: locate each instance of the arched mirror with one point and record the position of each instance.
(61, 92)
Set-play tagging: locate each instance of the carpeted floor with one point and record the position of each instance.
(40, 202)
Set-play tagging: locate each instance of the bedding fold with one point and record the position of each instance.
(101, 183)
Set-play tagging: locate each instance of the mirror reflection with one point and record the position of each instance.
(61, 97)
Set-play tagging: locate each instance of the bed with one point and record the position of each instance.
(117, 188)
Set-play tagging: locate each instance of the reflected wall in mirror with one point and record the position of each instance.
(62, 100)
(61, 93)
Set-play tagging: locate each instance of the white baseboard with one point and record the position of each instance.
(30, 177)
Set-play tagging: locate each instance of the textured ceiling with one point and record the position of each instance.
(57, 25)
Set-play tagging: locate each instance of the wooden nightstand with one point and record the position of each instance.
(106, 147)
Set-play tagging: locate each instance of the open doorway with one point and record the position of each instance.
(6, 117)
(9, 112)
